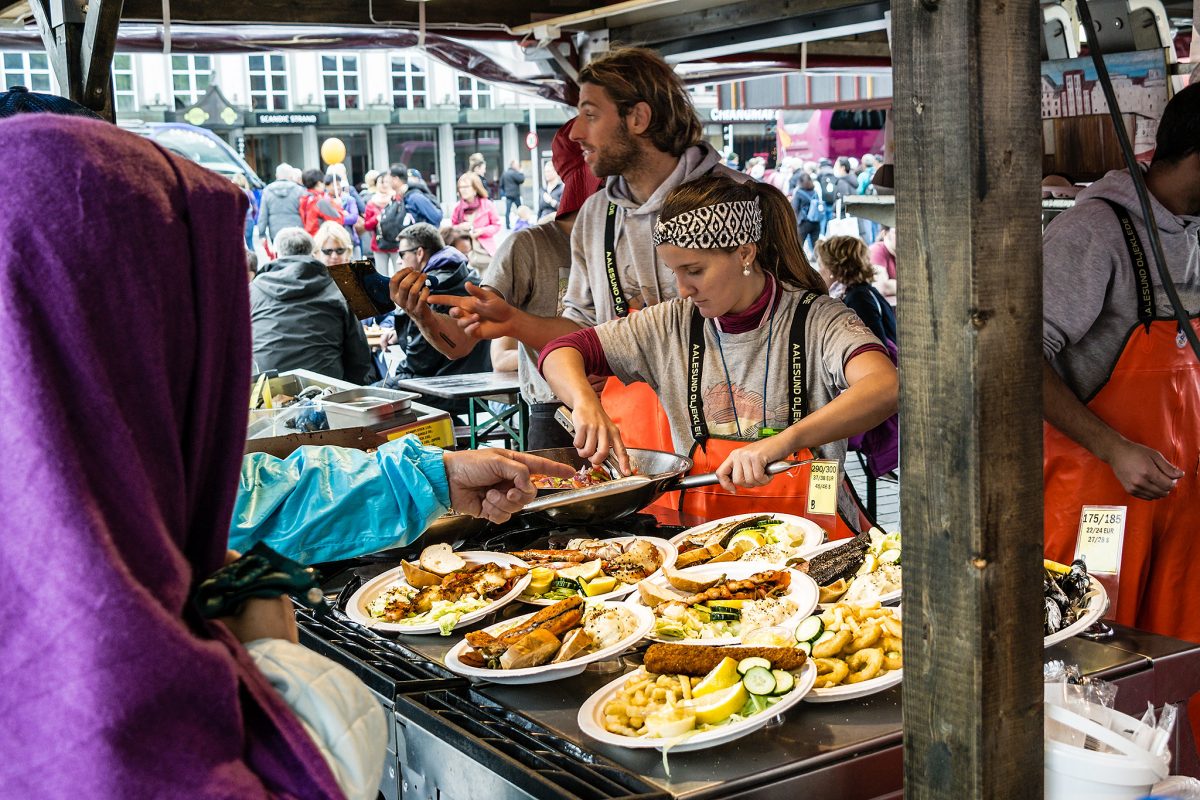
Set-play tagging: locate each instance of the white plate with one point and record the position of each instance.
(1097, 606)
(591, 719)
(814, 534)
(884, 599)
(549, 672)
(853, 691)
(665, 548)
(802, 591)
(356, 608)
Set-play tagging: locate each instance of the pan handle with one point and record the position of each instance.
(710, 478)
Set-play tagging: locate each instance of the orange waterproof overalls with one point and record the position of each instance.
(787, 493)
(1152, 397)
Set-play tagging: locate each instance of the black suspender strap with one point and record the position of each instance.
(1141, 268)
(620, 305)
(695, 359)
(796, 358)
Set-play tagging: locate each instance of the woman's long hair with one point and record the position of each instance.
(779, 249)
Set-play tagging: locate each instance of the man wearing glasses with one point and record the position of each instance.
(427, 264)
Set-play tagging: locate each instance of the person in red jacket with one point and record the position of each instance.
(317, 207)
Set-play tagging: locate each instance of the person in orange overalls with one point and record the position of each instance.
(1122, 385)
(753, 362)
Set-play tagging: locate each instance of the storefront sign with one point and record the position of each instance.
(289, 118)
(743, 114)
(822, 488)
(1101, 536)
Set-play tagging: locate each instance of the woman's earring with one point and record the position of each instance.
(746, 269)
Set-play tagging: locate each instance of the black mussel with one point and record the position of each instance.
(1054, 592)
(1075, 584)
(1052, 617)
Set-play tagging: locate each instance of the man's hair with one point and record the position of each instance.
(844, 163)
(293, 242)
(284, 172)
(312, 177)
(632, 75)
(1179, 128)
(424, 235)
(399, 171)
(847, 259)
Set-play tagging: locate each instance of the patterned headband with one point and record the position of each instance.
(711, 227)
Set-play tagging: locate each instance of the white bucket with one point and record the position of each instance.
(1074, 773)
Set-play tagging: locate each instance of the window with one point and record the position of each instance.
(409, 82)
(31, 70)
(473, 93)
(268, 82)
(190, 78)
(339, 79)
(857, 120)
(124, 94)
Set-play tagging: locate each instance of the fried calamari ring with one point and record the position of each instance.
(893, 654)
(865, 664)
(831, 647)
(868, 635)
(893, 628)
(830, 672)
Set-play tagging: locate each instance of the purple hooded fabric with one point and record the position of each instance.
(124, 367)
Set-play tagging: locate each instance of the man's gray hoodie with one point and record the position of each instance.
(644, 280)
(1089, 304)
(280, 208)
(300, 321)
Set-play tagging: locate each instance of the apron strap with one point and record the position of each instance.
(695, 371)
(1137, 259)
(796, 355)
(620, 304)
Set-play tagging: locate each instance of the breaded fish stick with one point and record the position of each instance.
(698, 659)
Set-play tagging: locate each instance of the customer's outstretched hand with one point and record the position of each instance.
(494, 483)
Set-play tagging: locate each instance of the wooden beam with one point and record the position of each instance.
(60, 24)
(355, 13)
(722, 18)
(968, 165)
(96, 55)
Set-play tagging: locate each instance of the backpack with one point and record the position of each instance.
(392, 222)
(829, 192)
(816, 209)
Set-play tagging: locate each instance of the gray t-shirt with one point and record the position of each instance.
(1089, 291)
(530, 270)
(652, 346)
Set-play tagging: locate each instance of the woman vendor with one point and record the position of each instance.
(753, 362)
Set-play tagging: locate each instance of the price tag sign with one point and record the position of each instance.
(1101, 536)
(822, 488)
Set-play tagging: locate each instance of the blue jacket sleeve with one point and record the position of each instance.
(328, 503)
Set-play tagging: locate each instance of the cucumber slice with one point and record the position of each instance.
(735, 612)
(806, 647)
(771, 521)
(890, 557)
(754, 662)
(824, 637)
(758, 680)
(565, 583)
(810, 629)
(724, 616)
(784, 682)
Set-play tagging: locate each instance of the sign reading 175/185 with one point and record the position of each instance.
(1101, 537)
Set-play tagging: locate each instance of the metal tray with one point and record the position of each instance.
(374, 400)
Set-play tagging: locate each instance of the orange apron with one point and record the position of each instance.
(1151, 397)
(787, 493)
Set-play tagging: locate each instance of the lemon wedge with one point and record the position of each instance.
(587, 571)
(746, 541)
(1054, 566)
(667, 723)
(869, 565)
(718, 706)
(539, 580)
(722, 676)
(601, 585)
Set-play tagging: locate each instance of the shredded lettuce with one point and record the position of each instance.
(447, 614)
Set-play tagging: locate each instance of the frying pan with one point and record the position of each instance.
(656, 473)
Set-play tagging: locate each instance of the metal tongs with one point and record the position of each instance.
(563, 418)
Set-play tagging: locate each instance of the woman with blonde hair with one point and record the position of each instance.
(476, 210)
(847, 260)
(753, 362)
(332, 244)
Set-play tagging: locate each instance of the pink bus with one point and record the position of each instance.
(833, 132)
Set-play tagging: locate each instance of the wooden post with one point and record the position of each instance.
(80, 44)
(968, 166)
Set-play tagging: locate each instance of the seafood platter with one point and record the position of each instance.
(760, 538)
(1073, 600)
(605, 569)
(862, 570)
